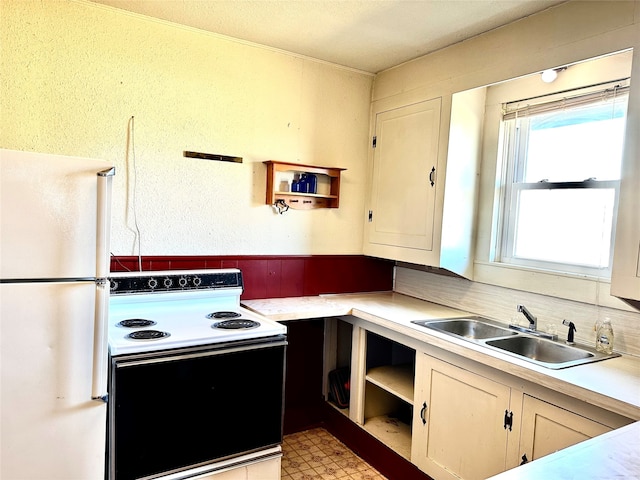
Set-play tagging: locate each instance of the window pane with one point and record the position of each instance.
(565, 226)
(576, 144)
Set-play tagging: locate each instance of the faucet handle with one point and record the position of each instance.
(533, 321)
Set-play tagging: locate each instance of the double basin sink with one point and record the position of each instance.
(527, 347)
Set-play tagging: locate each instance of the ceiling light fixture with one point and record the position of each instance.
(550, 75)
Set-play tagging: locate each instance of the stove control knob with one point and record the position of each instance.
(182, 282)
(197, 281)
(167, 282)
(113, 285)
(152, 283)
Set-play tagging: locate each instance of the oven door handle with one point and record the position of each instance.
(162, 357)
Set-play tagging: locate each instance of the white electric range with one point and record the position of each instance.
(196, 382)
(151, 311)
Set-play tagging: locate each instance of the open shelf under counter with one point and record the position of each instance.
(395, 379)
(387, 416)
(393, 433)
(343, 411)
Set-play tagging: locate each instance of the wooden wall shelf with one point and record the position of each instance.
(281, 173)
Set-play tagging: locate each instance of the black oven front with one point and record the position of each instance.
(171, 411)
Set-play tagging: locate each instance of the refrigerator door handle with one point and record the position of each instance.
(100, 342)
(100, 339)
(105, 179)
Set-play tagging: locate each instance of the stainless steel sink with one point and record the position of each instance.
(542, 351)
(472, 328)
(536, 350)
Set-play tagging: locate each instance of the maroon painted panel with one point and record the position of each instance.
(254, 274)
(274, 278)
(370, 449)
(292, 282)
(278, 276)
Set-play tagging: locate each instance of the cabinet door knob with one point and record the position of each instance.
(432, 176)
(422, 413)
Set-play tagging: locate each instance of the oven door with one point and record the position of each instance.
(172, 411)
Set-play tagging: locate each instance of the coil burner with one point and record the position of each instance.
(175, 309)
(236, 324)
(136, 323)
(223, 315)
(147, 335)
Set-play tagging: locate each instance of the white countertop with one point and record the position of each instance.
(613, 455)
(613, 384)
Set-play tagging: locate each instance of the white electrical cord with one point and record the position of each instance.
(131, 144)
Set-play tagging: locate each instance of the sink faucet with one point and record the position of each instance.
(533, 321)
(533, 325)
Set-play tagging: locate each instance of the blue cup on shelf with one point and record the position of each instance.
(312, 182)
(295, 183)
(303, 184)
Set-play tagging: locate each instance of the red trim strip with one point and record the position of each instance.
(279, 276)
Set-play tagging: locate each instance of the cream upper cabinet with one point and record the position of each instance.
(404, 173)
(463, 422)
(423, 180)
(625, 273)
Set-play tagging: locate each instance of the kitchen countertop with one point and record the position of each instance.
(613, 384)
(606, 457)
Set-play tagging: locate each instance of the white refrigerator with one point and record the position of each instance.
(54, 264)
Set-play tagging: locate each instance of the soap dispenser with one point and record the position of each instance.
(604, 337)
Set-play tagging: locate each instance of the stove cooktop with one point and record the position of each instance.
(175, 309)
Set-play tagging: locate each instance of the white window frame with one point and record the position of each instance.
(513, 160)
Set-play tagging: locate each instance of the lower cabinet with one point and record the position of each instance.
(463, 422)
(303, 402)
(547, 428)
(451, 417)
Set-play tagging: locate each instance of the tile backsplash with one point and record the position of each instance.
(500, 303)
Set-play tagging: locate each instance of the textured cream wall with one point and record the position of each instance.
(73, 74)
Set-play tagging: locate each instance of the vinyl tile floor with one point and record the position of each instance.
(316, 454)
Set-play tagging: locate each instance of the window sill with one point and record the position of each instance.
(579, 288)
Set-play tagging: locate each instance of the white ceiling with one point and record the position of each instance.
(367, 35)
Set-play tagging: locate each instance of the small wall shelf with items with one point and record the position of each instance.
(302, 187)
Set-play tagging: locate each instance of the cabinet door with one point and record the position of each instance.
(458, 428)
(625, 274)
(547, 428)
(404, 171)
